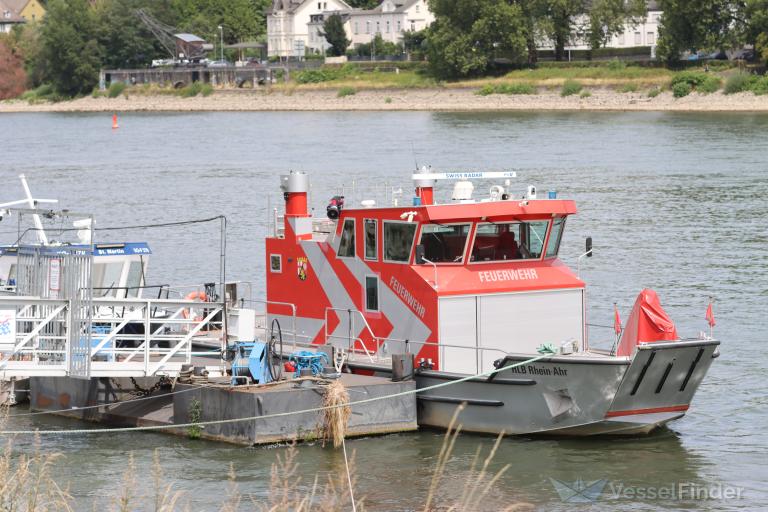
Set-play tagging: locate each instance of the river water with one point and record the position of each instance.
(674, 202)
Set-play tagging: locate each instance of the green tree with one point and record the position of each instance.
(242, 20)
(468, 34)
(363, 4)
(70, 53)
(28, 43)
(414, 42)
(756, 16)
(125, 40)
(699, 24)
(334, 33)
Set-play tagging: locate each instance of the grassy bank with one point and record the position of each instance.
(571, 78)
(566, 78)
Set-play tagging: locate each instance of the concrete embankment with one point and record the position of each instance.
(437, 99)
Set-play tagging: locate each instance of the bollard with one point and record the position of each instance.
(402, 367)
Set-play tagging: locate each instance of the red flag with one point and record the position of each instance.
(710, 316)
(616, 320)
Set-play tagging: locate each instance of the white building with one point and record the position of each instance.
(294, 26)
(645, 33)
(390, 19)
(9, 18)
(288, 24)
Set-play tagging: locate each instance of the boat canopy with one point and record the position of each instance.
(648, 322)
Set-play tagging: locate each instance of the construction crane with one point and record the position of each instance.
(178, 46)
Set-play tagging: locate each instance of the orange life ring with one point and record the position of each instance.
(194, 296)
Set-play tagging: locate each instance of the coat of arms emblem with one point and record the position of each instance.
(302, 266)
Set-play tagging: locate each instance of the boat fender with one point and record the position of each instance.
(196, 295)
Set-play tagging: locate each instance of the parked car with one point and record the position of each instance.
(718, 55)
(219, 64)
(744, 54)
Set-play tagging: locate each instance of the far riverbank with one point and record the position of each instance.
(432, 99)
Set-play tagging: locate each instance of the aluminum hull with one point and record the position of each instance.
(574, 395)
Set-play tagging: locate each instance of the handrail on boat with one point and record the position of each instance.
(266, 313)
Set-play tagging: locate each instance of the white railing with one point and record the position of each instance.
(266, 329)
(129, 337)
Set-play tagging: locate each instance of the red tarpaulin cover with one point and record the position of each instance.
(647, 322)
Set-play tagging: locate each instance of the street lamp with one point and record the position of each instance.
(221, 33)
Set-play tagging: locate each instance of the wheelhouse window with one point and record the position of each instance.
(398, 240)
(534, 235)
(347, 243)
(371, 293)
(553, 246)
(444, 243)
(509, 241)
(371, 239)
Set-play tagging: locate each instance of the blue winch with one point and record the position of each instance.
(257, 361)
(251, 363)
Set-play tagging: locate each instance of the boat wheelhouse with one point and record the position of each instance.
(463, 283)
(467, 287)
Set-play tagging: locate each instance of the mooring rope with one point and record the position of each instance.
(349, 475)
(279, 414)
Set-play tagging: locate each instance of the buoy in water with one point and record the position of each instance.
(115, 126)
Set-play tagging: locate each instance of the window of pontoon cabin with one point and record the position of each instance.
(347, 242)
(135, 278)
(106, 278)
(501, 241)
(444, 243)
(398, 241)
(553, 246)
(371, 239)
(371, 293)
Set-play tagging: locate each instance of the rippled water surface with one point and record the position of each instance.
(674, 202)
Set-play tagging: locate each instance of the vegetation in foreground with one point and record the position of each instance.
(32, 483)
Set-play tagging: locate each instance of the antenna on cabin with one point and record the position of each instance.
(415, 161)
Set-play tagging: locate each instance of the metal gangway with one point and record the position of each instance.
(124, 337)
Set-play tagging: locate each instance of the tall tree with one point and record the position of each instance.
(413, 41)
(242, 20)
(70, 51)
(756, 16)
(12, 77)
(468, 34)
(699, 24)
(125, 40)
(334, 33)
